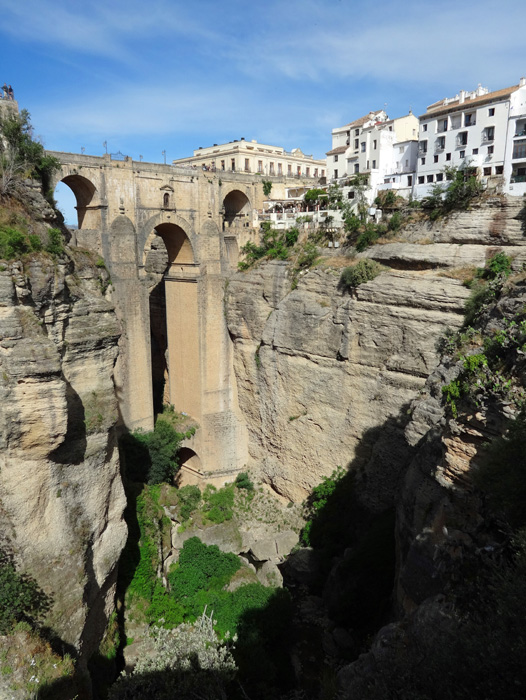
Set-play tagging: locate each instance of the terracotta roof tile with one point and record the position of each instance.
(337, 150)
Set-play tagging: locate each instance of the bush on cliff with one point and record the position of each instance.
(20, 596)
(364, 271)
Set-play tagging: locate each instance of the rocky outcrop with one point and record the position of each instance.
(60, 489)
(322, 373)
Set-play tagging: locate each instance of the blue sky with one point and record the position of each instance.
(171, 75)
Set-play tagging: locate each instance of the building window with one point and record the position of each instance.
(475, 151)
(233, 163)
(367, 165)
(307, 172)
(487, 171)
(166, 199)
(247, 165)
(409, 180)
(422, 148)
(315, 172)
(280, 169)
(374, 164)
(335, 175)
(490, 150)
(271, 170)
(374, 143)
(400, 149)
(323, 173)
(289, 169)
(440, 143)
(336, 159)
(356, 144)
(489, 133)
(499, 170)
(462, 138)
(448, 156)
(440, 177)
(357, 132)
(491, 112)
(469, 119)
(424, 127)
(442, 125)
(350, 195)
(363, 146)
(430, 178)
(260, 166)
(435, 159)
(462, 154)
(519, 149)
(356, 168)
(421, 179)
(299, 170)
(222, 165)
(422, 161)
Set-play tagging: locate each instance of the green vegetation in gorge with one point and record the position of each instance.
(364, 271)
(20, 597)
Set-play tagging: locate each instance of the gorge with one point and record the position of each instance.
(289, 380)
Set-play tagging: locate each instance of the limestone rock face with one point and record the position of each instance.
(321, 371)
(61, 494)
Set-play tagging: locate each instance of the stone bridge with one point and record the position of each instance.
(170, 236)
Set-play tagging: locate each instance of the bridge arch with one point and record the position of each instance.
(86, 195)
(236, 209)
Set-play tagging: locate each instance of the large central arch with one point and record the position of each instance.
(175, 344)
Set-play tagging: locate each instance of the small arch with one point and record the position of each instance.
(177, 243)
(190, 467)
(84, 191)
(236, 206)
(166, 200)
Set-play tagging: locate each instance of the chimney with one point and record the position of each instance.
(522, 82)
(461, 96)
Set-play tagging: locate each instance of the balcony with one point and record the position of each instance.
(488, 138)
(441, 128)
(522, 132)
(518, 178)
(440, 147)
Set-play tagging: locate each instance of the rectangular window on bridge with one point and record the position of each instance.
(233, 164)
(280, 169)
(260, 166)
(247, 165)
(222, 165)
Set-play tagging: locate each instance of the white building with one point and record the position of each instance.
(383, 148)
(481, 129)
(253, 157)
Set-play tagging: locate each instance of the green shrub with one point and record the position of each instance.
(367, 238)
(317, 501)
(201, 568)
(20, 597)
(243, 481)
(13, 243)
(189, 498)
(498, 265)
(364, 271)
(291, 236)
(219, 503)
(55, 244)
(395, 222)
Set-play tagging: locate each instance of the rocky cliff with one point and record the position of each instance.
(61, 496)
(321, 371)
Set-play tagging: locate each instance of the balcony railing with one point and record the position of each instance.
(439, 148)
(441, 129)
(518, 178)
(470, 123)
(488, 137)
(521, 132)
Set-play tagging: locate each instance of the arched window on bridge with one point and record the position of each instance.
(166, 200)
(237, 208)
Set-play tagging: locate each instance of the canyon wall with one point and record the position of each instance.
(61, 496)
(323, 374)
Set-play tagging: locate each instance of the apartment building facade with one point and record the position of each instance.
(480, 129)
(382, 148)
(253, 157)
